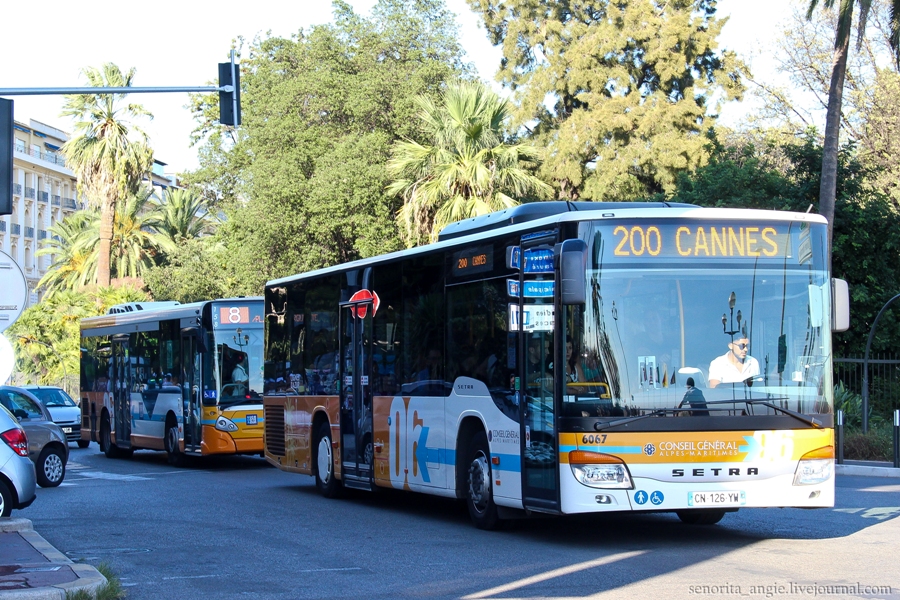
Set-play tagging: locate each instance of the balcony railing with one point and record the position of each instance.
(44, 196)
(3, 226)
(20, 147)
(15, 228)
(70, 203)
(29, 192)
(55, 200)
(51, 157)
(42, 234)
(29, 232)
(17, 189)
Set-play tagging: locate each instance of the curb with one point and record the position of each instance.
(866, 471)
(89, 578)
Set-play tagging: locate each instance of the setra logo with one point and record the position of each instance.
(649, 449)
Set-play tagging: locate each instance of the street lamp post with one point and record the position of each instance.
(55, 353)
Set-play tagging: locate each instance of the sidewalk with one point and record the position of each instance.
(867, 468)
(32, 569)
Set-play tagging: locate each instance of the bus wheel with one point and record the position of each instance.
(175, 457)
(106, 445)
(709, 516)
(479, 497)
(327, 483)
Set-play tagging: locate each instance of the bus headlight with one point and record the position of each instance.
(815, 467)
(225, 424)
(598, 470)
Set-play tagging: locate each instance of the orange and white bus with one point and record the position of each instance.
(568, 358)
(184, 378)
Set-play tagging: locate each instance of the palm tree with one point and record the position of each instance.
(108, 154)
(828, 182)
(471, 166)
(183, 215)
(135, 243)
(73, 246)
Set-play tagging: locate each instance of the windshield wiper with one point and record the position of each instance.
(812, 422)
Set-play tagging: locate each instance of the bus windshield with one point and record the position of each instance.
(715, 331)
(239, 363)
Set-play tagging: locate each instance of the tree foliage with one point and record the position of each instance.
(618, 93)
(320, 111)
(108, 153)
(469, 166)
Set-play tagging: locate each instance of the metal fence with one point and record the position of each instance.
(884, 380)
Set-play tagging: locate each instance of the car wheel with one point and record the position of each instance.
(50, 468)
(83, 443)
(175, 456)
(479, 495)
(706, 516)
(328, 484)
(5, 500)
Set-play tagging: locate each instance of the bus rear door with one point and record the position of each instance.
(121, 391)
(356, 394)
(537, 372)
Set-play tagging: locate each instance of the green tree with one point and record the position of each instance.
(135, 241)
(829, 179)
(618, 93)
(108, 154)
(181, 215)
(303, 181)
(197, 269)
(469, 167)
(72, 244)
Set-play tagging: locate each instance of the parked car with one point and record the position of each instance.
(17, 479)
(47, 444)
(65, 412)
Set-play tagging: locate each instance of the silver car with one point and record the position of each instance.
(17, 480)
(63, 410)
(47, 444)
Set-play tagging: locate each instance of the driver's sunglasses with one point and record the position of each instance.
(742, 346)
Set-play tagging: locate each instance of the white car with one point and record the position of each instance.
(64, 411)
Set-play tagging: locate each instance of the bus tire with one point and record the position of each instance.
(328, 484)
(51, 467)
(173, 452)
(479, 494)
(705, 516)
(106, 444)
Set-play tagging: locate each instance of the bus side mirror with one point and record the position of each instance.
(572, 278)
(840, 305)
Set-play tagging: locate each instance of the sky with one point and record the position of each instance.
(176, 43)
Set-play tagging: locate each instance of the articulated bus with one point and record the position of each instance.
(562, 358)
(184, 378)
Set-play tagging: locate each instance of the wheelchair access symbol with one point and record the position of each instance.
(655, 497)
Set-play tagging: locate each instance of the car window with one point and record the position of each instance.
(20, 405)
(51, 397)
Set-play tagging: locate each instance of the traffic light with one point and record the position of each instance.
(230, 102)
(6, 156)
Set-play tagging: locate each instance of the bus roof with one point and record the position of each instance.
(170, 311)
(544, 214)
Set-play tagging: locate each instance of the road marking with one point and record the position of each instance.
(590, 564)
(327, 570)
(111, 476)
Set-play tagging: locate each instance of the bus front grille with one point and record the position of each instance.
(275, 430)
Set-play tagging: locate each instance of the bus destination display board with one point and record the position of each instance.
(701, 240)
(473, 260)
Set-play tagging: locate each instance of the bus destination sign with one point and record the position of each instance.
(473, 260)
(701, 240)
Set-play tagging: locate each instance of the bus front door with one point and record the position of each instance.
(121, 392)
(537, 372)
(356, 395)
(190, 391)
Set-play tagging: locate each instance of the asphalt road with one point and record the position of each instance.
(236, 528)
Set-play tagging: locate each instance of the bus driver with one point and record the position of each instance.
(734, 366)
